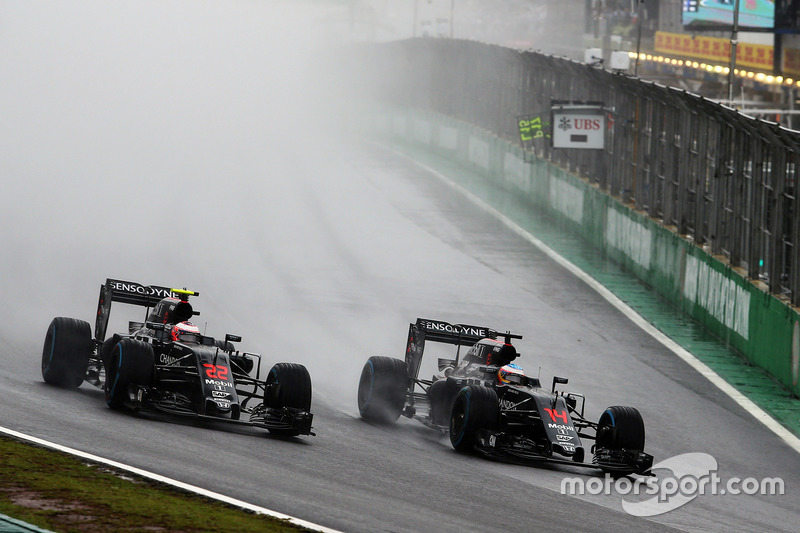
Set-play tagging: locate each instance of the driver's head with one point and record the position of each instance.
(511, 374)
(185, 332)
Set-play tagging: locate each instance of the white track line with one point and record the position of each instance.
(168, 481)
(762, 416)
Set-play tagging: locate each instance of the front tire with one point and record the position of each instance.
(66, 352)
(288, 385)
(619, 428)
(476, 408)
(382, 390)
(131, 362)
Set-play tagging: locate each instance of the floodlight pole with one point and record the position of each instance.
(734, 42)
(638, 37)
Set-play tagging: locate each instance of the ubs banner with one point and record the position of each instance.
(578, 125)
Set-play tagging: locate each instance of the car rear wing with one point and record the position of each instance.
(129, 292)
(438, 331)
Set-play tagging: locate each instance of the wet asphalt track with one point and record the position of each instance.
(366, 256)
(179, 143)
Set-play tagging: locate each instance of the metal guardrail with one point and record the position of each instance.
(714, 175)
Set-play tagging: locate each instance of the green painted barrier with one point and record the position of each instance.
(763, 328)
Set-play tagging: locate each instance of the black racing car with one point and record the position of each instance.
(165, 364)
(489, 405)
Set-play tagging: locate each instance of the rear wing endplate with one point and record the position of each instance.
(129, 292)
(438, 331)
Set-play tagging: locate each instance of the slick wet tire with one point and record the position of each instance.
(621, 427)
(288, 385)
(66, 352)
(441, 395)
(382, 390)
(476, 408)
(131, 362)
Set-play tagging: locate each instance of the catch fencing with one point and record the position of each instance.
(716, 176)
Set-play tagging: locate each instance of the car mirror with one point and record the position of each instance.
(232, 338)
(561, 381)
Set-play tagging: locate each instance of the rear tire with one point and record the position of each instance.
(66, 352)
(382, 390)
(476, 408)
(441, 395)
(621, 427)
(132, 362)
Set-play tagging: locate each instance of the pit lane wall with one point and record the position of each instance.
(763, 328)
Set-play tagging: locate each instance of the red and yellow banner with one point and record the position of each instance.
(791, 61)
(716, 49)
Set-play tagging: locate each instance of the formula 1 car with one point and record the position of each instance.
(489, 405)
(165, 364)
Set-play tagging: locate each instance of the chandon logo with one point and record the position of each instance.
(509, 405)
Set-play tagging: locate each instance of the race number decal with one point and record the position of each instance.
(216, 372)
(556, 415)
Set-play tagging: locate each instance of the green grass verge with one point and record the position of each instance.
(56, 491)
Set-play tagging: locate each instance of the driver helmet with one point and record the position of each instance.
(185, 332)
(511, 374)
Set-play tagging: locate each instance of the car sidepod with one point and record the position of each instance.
(536, 425)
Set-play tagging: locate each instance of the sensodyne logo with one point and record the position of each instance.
(140, 289)
(455, 328)
(677, 481)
